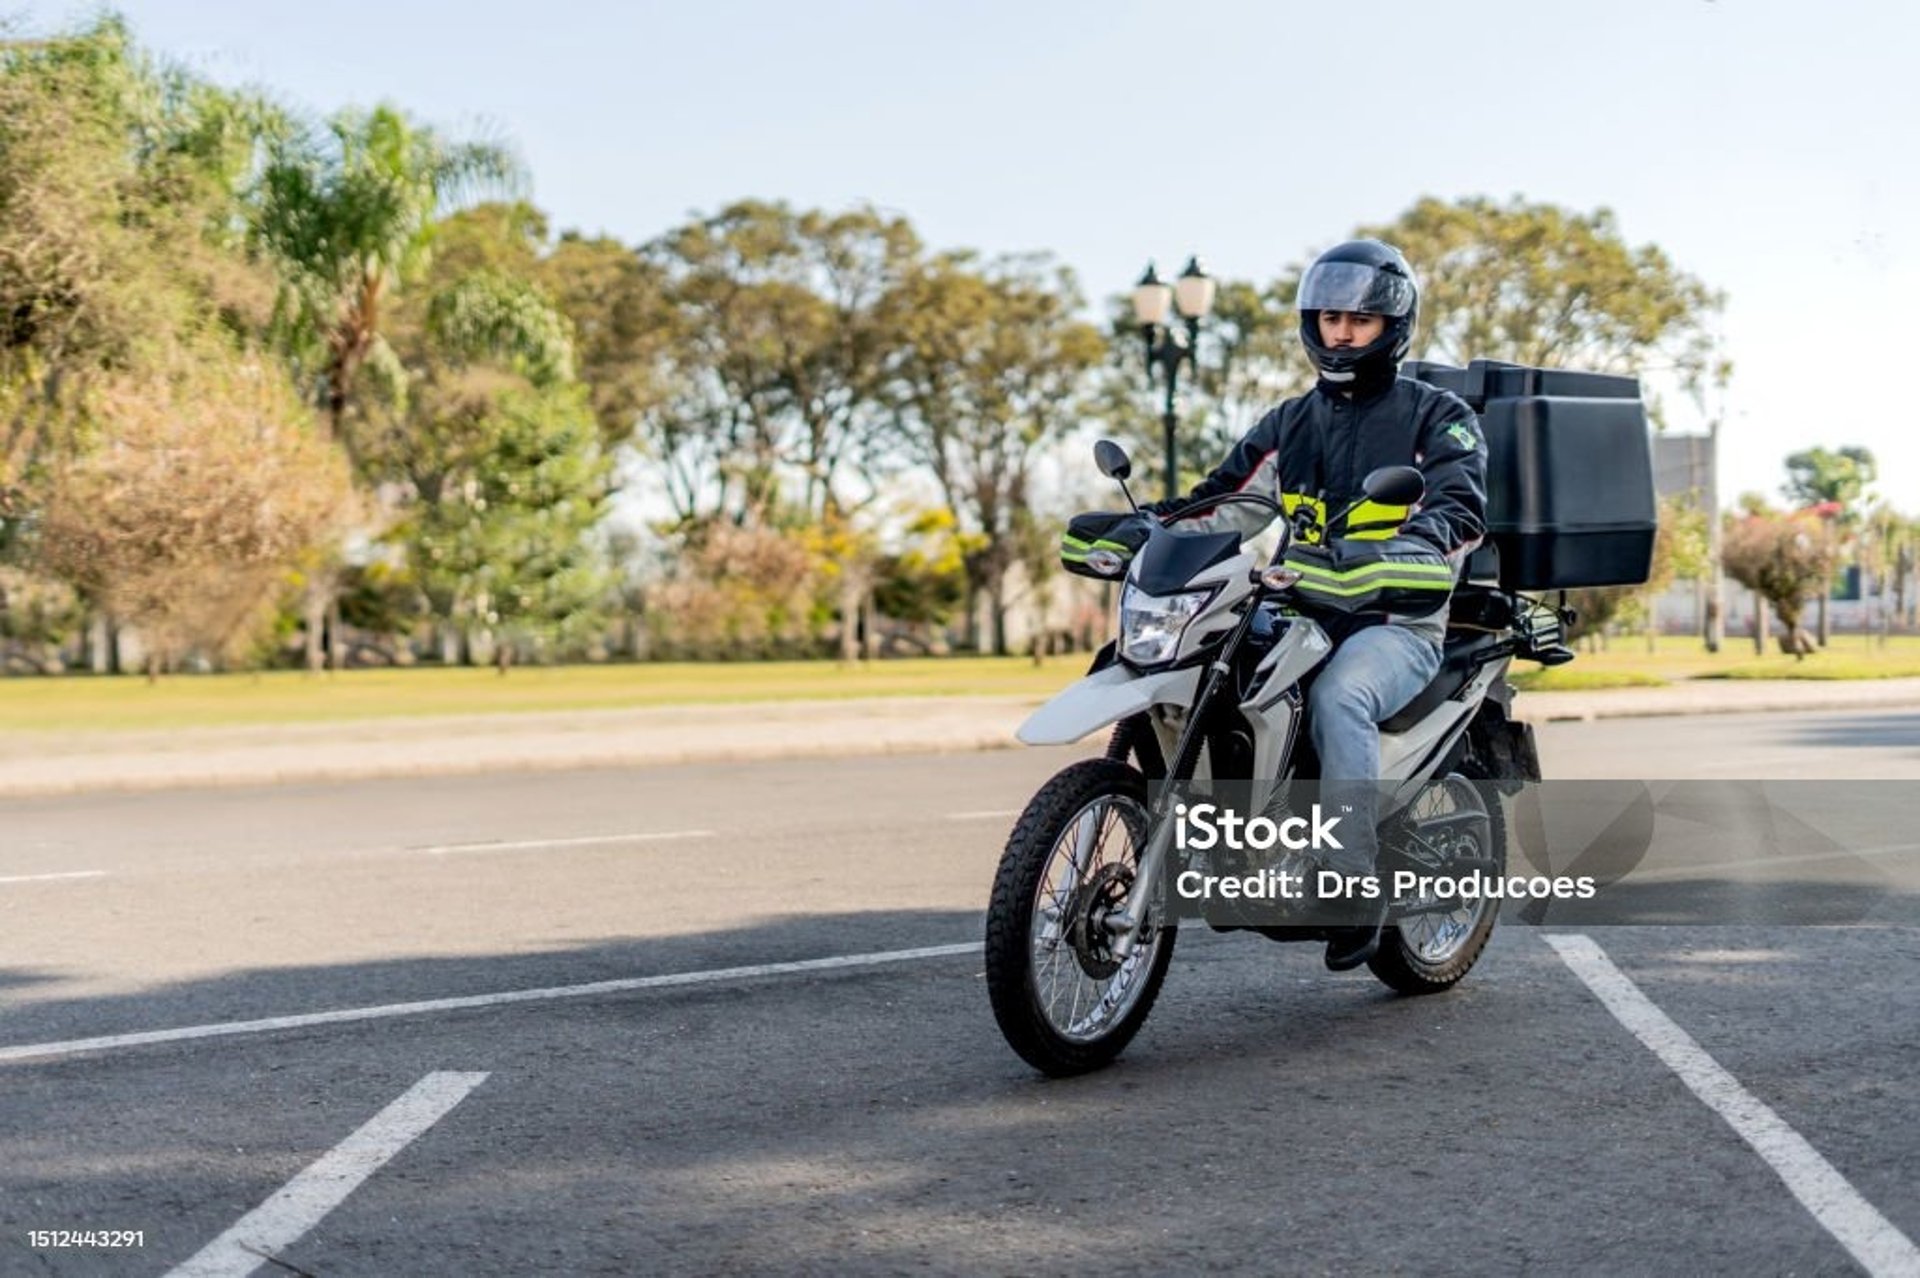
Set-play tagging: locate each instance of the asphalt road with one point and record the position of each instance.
(1270, 1117)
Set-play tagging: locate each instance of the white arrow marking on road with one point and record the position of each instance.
(278, 1223)
(223, 1029)
(592, 840)
(1867, 1235)
(50, 878)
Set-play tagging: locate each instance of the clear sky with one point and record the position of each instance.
(1767, 145)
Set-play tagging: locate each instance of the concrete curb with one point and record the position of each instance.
(55, 764)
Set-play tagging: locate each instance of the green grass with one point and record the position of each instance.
(1678, 657)
(1821, 666)
(1571, 678)
(80, 703)
(85, 703)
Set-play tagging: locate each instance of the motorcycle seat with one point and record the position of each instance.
(1460, 659)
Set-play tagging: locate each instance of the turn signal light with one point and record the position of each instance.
(1279, 577)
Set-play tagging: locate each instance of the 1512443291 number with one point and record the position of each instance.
(44, 1239)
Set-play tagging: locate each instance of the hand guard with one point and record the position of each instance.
(1123, 533)
(1395, 575)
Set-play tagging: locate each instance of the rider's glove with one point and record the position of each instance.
(1396, 574)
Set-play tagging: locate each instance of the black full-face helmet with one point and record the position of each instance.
(1369, 277)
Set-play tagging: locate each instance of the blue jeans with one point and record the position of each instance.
(1370, 677)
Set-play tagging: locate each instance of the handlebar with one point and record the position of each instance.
(1206, 505)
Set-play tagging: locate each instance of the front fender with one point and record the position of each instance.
(1104, 697)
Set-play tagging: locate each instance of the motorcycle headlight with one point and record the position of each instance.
(1151, 625)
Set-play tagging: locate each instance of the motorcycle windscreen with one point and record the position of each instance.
(1170, 560)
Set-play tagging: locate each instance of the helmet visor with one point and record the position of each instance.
(1354, 286)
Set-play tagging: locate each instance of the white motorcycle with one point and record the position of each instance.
(1206, 681)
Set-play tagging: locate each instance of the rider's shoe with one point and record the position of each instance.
(1353, 945)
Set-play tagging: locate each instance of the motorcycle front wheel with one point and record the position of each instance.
(1064, 1002)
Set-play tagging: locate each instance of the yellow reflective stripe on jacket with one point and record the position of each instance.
(1290, 502)
(1365, 579)
(1349, 589)
(1437, 568)
(1421, 576)
(1374, 521)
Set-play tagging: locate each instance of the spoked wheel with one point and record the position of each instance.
(1066, 1003)
(1431, 949)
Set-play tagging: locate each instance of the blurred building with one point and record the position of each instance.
(1684, 466)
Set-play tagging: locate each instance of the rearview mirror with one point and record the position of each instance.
(1112, 460)
(1394, 485)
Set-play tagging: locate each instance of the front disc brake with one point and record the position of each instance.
(1105, 892)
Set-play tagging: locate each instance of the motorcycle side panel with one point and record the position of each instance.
(1271, 712)
(1304, 646)
(1403, 752)
(1410, 757)
(1106, 697)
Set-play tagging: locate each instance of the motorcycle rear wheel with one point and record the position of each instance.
(1062, 1000)
(1431, 952)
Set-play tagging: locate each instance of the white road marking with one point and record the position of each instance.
(302, 1202)
(997, 814)
(592, 840)
(223, 1029)
(50, 878)
(1868, 1236)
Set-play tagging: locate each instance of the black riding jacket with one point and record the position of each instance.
(1314, 451)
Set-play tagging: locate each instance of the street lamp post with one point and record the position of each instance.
(1170, 345)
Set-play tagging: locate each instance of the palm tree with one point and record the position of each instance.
(348, 213)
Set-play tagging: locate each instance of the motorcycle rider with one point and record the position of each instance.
(1358, 304)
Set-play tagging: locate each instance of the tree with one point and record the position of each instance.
(625, 328)
(1885, 554)
(488, 450)
(119, 184)
(1817, 475)
(1832, 483)
(993, 366)
(207, 490)
(923, 584)
(784, 340)
(506, 547)
(737, 591)
(349, 210)
(138, 413)
(1782, 559)
(37, 615)
(1542, 285)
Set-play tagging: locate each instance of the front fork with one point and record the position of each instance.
(1126, 924)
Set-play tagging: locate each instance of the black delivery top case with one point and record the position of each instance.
(1569, 474)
